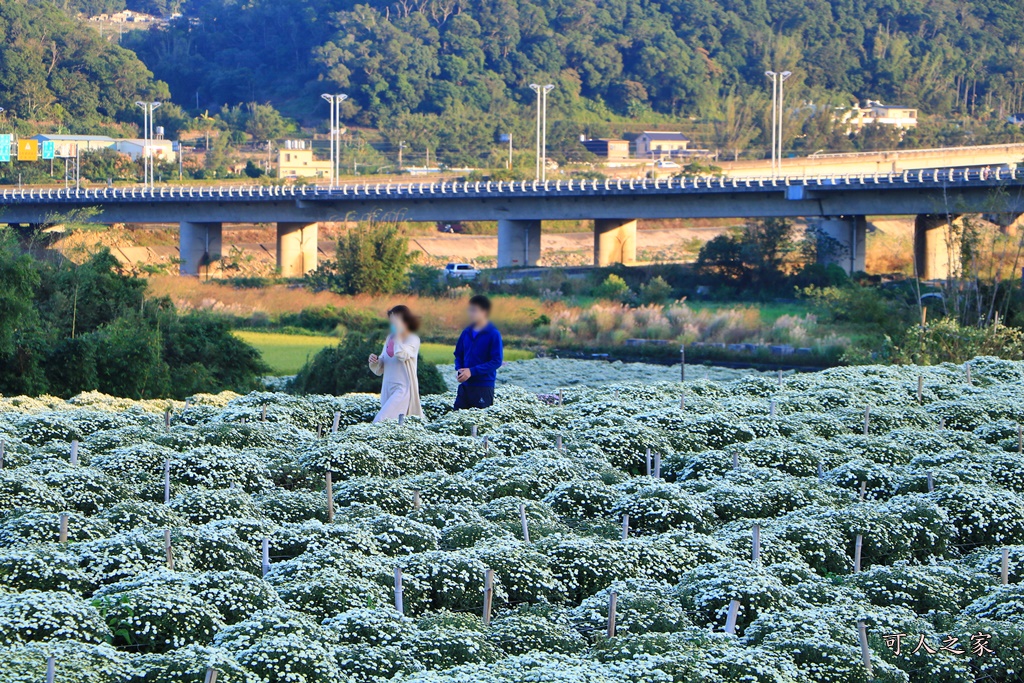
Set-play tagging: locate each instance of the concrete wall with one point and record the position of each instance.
(200, 247)
(518, 243)
(843, 240)
(296, 248)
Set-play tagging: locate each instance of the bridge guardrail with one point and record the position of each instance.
(500, 189)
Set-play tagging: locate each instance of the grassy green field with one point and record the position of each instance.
(286, 353)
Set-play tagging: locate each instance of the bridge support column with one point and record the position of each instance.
(614, 241)
(296, 248)
(843, 240)
(936, 246)
(518, 243)
(199, 245)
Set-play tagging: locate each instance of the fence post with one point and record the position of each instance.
(1004, 569)
(63, 533)
(732, 616)
(3, 446)
(967, 369)
(167, 482)
(647, 461)
(488, 595)
(863, 490)
(167, 420)
(1020, 444)
(74, 451)
(756, 537)
(337, 421)
(867, 420)
(330, 496)
(625, 527)
(263, 413)
(942, 423)
(771, 409)
(613, 601)
(865, 652)
(858, 546)
(522, 520)
(682, 403)
(920, 389)
(487, 445)
(735, 460)
(931, 482)
(682, 362)
(560, 397)
(780, 378)
(168, 549)
(266, 555)
(657, 465)
(472, 431)
(51, 669)
(211, 675)
(821, 471)
(558, 441)
(416, 502)
(399, 604)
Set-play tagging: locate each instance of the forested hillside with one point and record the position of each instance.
(54, 69)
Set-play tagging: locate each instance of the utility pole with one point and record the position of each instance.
(401, 146)
(542, 129)
(335, 134)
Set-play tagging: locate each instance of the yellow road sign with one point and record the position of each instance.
(28, 150)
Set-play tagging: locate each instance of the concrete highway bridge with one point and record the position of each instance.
(838, 203)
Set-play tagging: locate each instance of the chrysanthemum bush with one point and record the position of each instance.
(943, 495)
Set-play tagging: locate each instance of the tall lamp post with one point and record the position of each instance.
(147, 134)
(335, 102)
(778, 78)
(542, 128)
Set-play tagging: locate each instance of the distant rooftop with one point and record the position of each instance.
(72, 138)
(664, 135)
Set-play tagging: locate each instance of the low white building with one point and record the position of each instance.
(875, 112)
(162, 150)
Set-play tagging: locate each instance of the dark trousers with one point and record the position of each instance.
(474, 397)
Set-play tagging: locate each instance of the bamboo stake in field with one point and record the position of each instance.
(735, 460)
(329, 486)
(1004, 568)
(682, 363)
(732, 616)
(167, 420)
(167, 482)
(780, 378)
(931, 482)
(558, 442)
(771, 409)
(416, 501)
(266, 555)
(625, 527)
(51, 669)
(399, 604)
(857, 548)
(863, 490)
(472, 431)
(865, 652)
(682, 403)
(755, 554)
(263, 413)
(62, 536)
(337, 421)
(1020, 444)
(3, 447)
(488, 595)
(211, 675)
(74, 451)
(647, 461)
(967, 370)
(613, 601)
(560, 397)
(821, 471)
(920, 389)
(168, 549)
(867, 420)
(523, 521)
(657, 465)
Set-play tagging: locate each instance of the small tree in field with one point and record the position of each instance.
(372, 258)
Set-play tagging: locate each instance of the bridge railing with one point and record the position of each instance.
(468, 189)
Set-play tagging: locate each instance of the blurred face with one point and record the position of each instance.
(477, 316)
(397, 324)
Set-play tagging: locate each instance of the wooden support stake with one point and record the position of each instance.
(337, 421)
(731, 616)
(266, 556)
(821, 471)
(211, 675)
(416, 500)
(924, 316)
(863, 490)
(771, 409)
(780, 378)
(488, 595)
(472, 431)
(3, 447)
(330, 496)
(401, 418)
(682, 363)
(931, 482)
(560, 397)
(1004, 569)
(865, 652)
(967, 369)
(735, 460)
(647, 462)
(657, 465)
(168, 549)
(920, 389)
(167, 482)
(756, 537)
(858, 546)
(558, 441)
(51, 669)
(319, 431)
(682, 403)
(487, 444)
(74, 451)
(263, 413)
(167, 420)
(625, 527)
(867, 420)
(613, 601)
(522, 520)
(942, 423)
(63, 533)
(1020, 444)
(399, 604)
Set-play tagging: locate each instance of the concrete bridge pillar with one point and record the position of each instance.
(199, 245)
(614, 241)
(843, 240)
(296, 248)
(518, 243)
(936, 246)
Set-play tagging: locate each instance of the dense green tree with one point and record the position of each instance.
(372, 258)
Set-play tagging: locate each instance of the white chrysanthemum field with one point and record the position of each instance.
(890, 497)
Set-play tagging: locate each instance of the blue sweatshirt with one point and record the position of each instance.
(482, 352)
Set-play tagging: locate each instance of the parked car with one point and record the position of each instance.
(666, 163)
(462, 271)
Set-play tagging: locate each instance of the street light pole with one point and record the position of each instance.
(775, 111)
(148, 108)
(544, 136)
(537, 89)
(335, 135)
(782, 79)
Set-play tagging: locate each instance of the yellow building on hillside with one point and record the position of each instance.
(300, 163)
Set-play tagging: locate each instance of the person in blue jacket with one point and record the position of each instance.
(478, 355)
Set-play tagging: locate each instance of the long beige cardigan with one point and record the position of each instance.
(400, 389)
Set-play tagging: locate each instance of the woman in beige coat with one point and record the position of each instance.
(400, 390)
